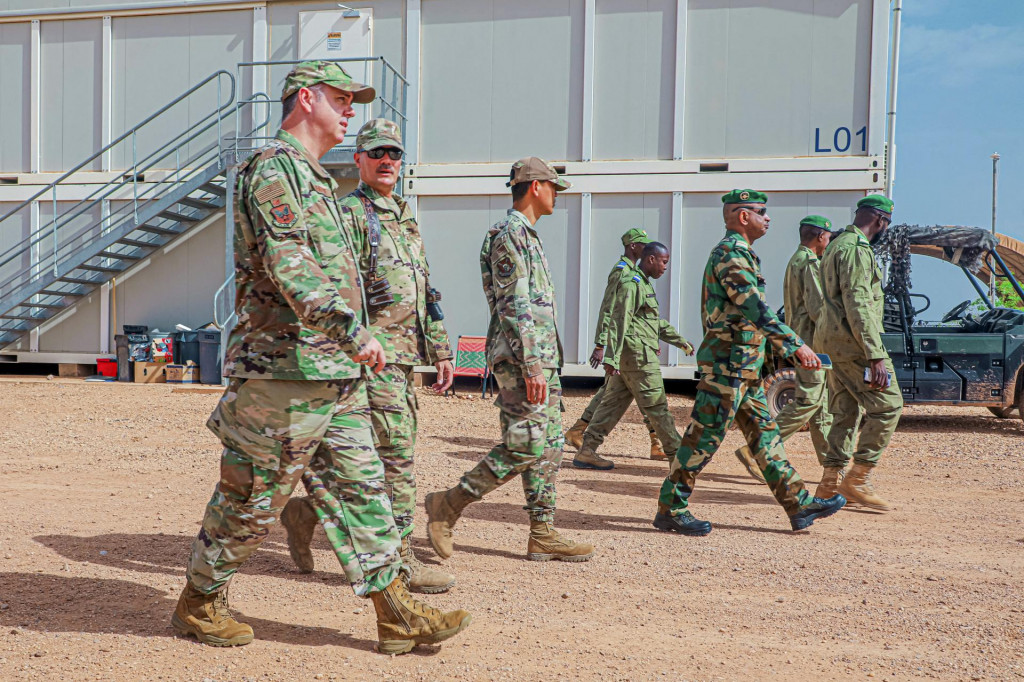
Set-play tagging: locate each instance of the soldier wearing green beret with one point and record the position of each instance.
(850, 330)
(737, 321)
(803, 300)
(633, 242)
(295, 363)
(393, 263)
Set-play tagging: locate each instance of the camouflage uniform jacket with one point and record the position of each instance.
(405, 330)
(520, 296)
(734, 313)
(802, 293)
(850, 326)
(297, 288)
(634, 326)
(623, 266)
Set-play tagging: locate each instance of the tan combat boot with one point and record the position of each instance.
(207, 618)
(403, 622)
(299, 519)
(586, 458)
(423, 578)
(574, 436)
(443, 510)
(546, 544)
(746, 458)
(829, 485)
(856, 487)
(657, 449)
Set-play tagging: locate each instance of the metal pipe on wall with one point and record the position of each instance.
(890, 133)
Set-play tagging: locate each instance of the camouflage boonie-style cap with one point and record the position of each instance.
(635, 236)
(379, 132)
(308, 74)
(535, 168)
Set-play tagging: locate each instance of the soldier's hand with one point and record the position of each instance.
(597, 357)
(879, 375)
(687, 348)
(537, 389)
(445, 376)
(372, 356)
(807, 358)
(609, 370)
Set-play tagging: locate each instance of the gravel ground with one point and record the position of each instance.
(104, 485)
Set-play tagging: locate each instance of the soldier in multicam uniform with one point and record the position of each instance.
(862, 376)
(801, 293)
(525, 354)
(736, 322)
(393, 264)
(633, 242)
(635, 329)
(294, 383)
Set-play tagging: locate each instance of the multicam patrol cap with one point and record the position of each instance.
(635, 236)
(745, 196)
(878, 202)
(818, 221)
(379, 132)
(535, 168)
(308, 74)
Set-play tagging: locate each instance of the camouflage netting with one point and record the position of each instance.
(966, 246)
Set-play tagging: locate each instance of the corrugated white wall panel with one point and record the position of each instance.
(14, 105)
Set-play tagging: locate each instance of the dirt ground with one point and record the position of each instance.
(103, 486)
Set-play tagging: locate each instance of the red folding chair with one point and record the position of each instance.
(471, 361)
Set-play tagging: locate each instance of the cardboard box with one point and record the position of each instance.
(183, 374)
(150, 373)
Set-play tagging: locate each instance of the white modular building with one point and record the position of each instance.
(121, 120)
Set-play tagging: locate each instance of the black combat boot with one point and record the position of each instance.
(684, 524)
(817, 509)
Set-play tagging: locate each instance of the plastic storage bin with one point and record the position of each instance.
(209, 356)
(106, 367)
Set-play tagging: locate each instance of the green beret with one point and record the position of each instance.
(308, 74)
(745, 196)
(635, 236)
(818, 221)
(879, 202)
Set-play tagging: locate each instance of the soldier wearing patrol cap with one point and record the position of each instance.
(737, 321)
(803, 300)
(862, 377)
(393, 265)
(633, 243)
(296, 405)
(524, 353)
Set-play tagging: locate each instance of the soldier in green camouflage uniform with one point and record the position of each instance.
(635, 329)
(736, 322)
(525, 353)
(633, 241)
(803, 300)
(399, 320)
(295, 385)
(850, 329)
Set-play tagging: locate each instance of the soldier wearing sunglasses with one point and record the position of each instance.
(393, 267)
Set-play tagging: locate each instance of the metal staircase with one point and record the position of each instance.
(170, 191)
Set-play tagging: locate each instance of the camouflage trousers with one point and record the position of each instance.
(720, 401)
(393, 408)
(809, 404)
(595, 402)
(848, 395)
(531, 444)
(275, 432)
(644, 383)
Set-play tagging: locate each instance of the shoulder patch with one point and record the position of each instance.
(637, 279)
(620, 265)
(270, 191)
(505, 267)
(282, 213)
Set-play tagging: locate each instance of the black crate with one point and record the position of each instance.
(209, 357)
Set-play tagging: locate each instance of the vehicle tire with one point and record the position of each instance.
(779, 389)
(1002, 412)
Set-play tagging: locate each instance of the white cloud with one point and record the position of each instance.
(956, 57)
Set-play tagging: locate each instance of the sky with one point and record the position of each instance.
(960, 98)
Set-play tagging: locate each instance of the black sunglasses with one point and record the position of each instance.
(379, 152)
(759, 211)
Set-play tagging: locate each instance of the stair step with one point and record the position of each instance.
(139, 243)
(53, 306)
(198, 203)
(119, 256)
(51, 292)
(99, 268)
(157, 230)
(79, 280)
(214, 188)
(30, 318)
(179, 217)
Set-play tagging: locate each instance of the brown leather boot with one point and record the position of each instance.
(207, 618)
(423, 578)
(829, 485)
(587, 458)
(746, 458)
(443, 510)
(657, 449)
(403, 622)
(856, 487)
(299, 519)
(546, 544)
(574, 436)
